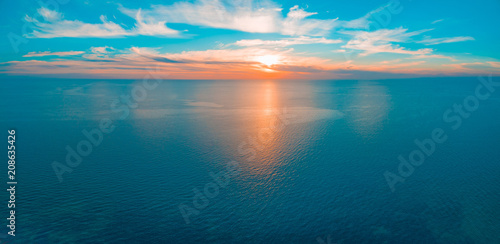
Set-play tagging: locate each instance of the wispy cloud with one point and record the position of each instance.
(238, 15)
(380, 15)
(296, 23)
(428, 56)
(48, 53)
(248, 16)
(54, 25)
(101, 50)
(99, 53)
(152, 28)
(303, 40)
(437, 21)
(435, 41)
(381, 41)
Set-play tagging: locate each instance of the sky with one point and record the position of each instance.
(247, 39)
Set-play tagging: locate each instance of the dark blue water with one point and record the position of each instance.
(311, 158)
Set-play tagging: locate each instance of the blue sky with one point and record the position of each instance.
(211, 39)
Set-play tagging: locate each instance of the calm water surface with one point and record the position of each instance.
(311, 160)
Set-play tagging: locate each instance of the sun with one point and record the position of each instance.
(268, 59)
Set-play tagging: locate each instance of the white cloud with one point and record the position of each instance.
(237, 15)
(437, 21)
(48, 53)
(152, 28)
(241, 57)
(48, 14)
(381, 41)
(243, 15)
(56, 26)
(435, 41)
(296, 23)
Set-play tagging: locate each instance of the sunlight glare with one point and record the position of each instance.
(268, 59)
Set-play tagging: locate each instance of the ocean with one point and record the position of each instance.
(254, 161)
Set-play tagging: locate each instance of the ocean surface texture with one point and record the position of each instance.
(254, 161)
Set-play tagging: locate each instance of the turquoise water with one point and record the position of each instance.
(310, 162)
